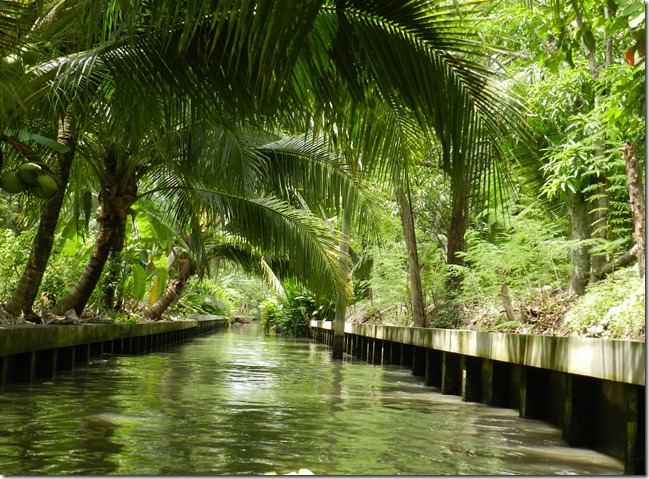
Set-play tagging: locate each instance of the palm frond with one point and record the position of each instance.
(16, 18)
(240, 253)
(274, 228)
(305, 166)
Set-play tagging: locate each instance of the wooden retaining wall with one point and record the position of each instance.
(593, 389)
(38, 352)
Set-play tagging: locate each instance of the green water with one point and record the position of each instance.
(237, 402)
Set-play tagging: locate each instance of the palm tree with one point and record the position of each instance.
(225, 180)
(394, 141)
(23, 297)
(27, 105)
(457, 104)
(250, 59)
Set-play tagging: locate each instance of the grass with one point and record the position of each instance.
(611, 308)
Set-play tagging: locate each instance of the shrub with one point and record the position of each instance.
(270, 311)
(528, 255)
(293, 316)
(611, 308)
(203, 296)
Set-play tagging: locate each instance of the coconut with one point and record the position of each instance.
(12, 183)
(29, 172)
(44, 187)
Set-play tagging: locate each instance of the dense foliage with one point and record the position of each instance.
(430, 163)
(291, 317)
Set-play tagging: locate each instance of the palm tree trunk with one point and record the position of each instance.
(455, 237)
(410, 238)
(186, 268)
(637, 198)
(116, 206)
(24, 295)
(114, 267)
(80, 293)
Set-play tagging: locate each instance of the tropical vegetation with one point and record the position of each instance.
(465, 164)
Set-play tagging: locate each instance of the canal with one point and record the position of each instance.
(239, 402)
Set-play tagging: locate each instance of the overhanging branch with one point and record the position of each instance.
(19, 146)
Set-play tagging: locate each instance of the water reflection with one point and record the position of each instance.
(238, 402)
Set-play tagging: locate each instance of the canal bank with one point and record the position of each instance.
(31, 352)
(593, 389)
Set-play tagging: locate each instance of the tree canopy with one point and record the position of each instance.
(283, 137)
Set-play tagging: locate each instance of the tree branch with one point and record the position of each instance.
(625, 260)
(19, 146)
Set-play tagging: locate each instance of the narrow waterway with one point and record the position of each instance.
(238, 402)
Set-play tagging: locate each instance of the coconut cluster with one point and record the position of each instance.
(32, 177)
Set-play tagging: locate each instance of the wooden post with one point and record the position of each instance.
(451, 376)
(433, 376)
(4, 371)
(378, 352)
(635, 454)
(495, 383)
(579, 411)
(82, 354)
(507, 302)
(406, 355)
(66, 358)
(46, 363)
(360, 343)
(395, 352)
(419, 361)
(532, 396)
(471, 379)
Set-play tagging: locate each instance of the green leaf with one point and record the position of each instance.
(616, 25)
(589, 40)
(72, 245)
(160, 263)
(632, 8)
(42, 140)
(145, 229)
(163, 277)
(139, 281)
(612, 6)
(569, 58)
(552, 64)
(162, 231)
(637, 20)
